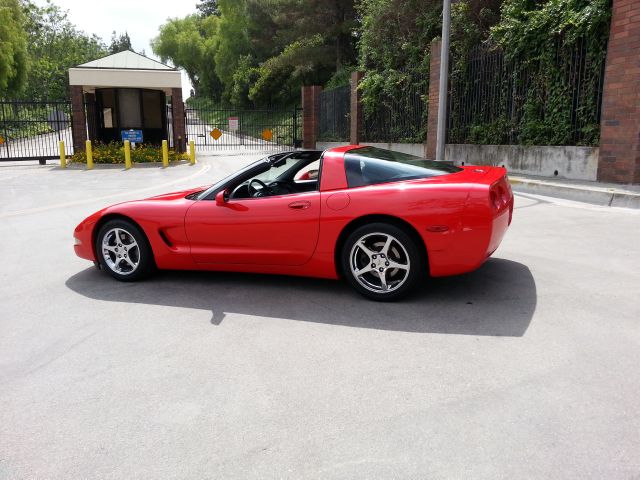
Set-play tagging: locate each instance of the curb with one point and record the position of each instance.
(609, 197)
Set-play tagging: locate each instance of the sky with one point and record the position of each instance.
(140, 18)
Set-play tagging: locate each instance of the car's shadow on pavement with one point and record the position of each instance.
(499, 299)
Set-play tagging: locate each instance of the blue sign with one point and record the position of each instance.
(134, 136)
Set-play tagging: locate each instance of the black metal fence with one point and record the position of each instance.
(33, 130)
(401, 115)
(213, 128)
(497, 100)
(335, 115)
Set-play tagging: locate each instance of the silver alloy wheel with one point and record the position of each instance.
(120, 251)
(379, 262)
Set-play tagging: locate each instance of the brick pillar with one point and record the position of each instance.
(434, 95)
(78, 119)
(179, 127)
(310, 115)
(619, 160)
(90, 100)
(356, 109)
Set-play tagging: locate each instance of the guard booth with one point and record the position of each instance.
(127, 95)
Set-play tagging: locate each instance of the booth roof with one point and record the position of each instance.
(126, 60)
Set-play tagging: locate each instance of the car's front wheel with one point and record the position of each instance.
(123, 251)
(381, 261)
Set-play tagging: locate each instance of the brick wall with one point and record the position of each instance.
(179, 128)
(434, 86)
(310, 115)
(78, 119)
(620, 124)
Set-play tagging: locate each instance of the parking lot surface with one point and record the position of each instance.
(526, 368)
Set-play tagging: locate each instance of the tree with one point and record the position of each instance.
(13, 48)
(119, 43)
(191, 43)
(208, 8)
(55, 45)
(260, 52)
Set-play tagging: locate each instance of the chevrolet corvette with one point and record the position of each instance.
(381, 220)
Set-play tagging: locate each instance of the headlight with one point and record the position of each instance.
(77, 241)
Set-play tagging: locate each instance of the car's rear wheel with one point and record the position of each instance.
(123, 251)
(381, 261)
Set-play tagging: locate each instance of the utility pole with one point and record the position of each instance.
(444, 78)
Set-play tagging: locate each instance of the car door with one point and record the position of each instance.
(277, 230)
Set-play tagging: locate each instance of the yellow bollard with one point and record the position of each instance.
(165, 154)
(127, 154)
(192, 152)
(89, 155)
(63, 155)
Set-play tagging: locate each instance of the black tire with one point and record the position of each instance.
(132, 244)
(378, 266)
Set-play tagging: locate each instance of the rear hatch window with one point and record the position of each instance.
(371, 165)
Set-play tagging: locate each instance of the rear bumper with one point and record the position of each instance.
(482, 227)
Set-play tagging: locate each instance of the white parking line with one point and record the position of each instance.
(205, 168)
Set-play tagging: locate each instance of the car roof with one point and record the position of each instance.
(344, 148)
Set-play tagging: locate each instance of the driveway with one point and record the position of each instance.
(526, 368)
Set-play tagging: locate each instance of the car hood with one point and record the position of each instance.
(178, 195)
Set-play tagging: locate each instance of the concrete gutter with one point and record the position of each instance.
(625, 196)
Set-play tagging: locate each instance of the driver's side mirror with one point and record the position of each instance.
(222, 197)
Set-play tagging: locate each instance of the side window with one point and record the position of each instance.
(309, 172)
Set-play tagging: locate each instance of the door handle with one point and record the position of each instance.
(301, 205)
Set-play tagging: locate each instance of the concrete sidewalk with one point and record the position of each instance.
(607, 194)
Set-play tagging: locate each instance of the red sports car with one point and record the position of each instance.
(380, 219)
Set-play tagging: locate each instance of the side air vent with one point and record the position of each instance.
(165, 239)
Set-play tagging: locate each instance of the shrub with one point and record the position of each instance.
(113, 153)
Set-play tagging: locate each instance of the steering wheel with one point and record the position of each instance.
(258, 193)
(280, 187)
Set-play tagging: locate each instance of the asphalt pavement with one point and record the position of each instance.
(526, 368)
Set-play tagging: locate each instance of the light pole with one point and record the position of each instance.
(444, 77)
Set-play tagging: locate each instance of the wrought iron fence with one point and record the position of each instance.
(497, 100)
(32, 130)
(401, 115)
(213, 128)
(335, 115)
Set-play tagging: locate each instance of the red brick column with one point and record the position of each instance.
(619, 160)
(356, 109)
(434, 95)
(310, 115)
(179, 127)
(78, 119)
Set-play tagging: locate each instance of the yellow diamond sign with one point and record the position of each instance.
(215, 133)
(1, 140)
(267, 135)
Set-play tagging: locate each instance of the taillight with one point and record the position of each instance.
(495, 199)
(499, 195)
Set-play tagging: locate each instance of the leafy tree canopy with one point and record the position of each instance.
(206, 8)
(119, 43)
(13, 48)
(55, 45)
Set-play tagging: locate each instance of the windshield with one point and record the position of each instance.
(218, 185)
(268, 169)
(281, 166)
(371, 165)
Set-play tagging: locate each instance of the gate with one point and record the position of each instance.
(335, 115)
(32, 130)
(231, 129)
